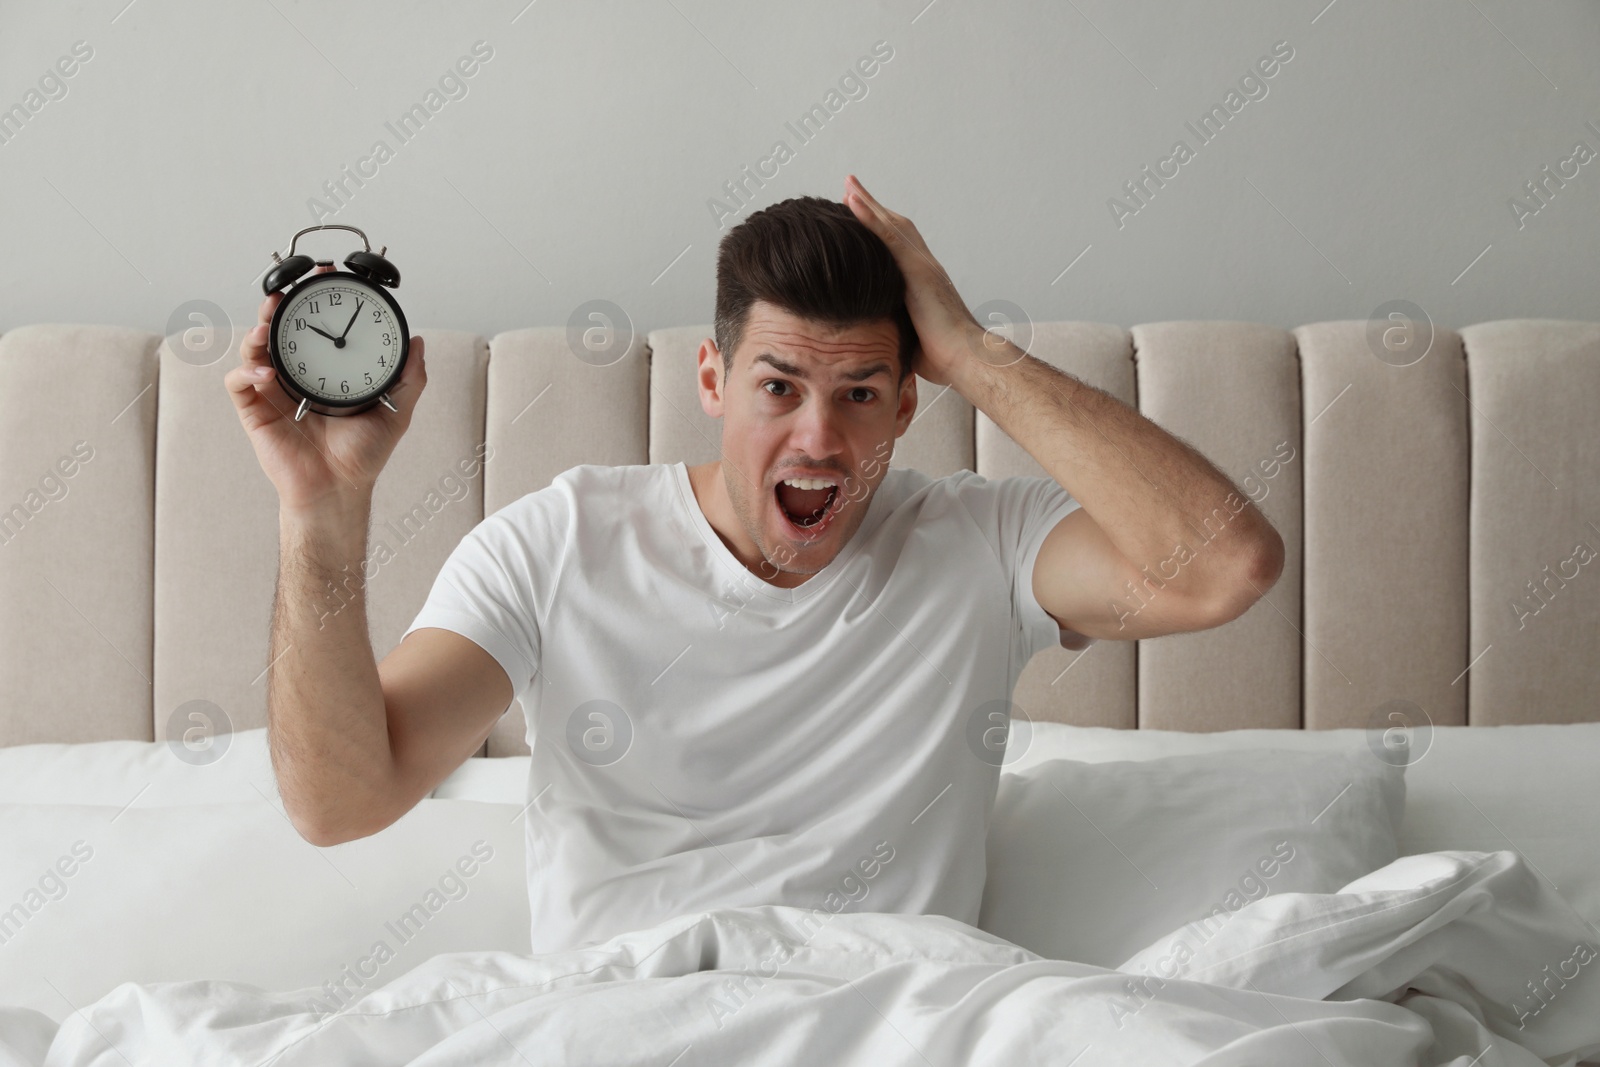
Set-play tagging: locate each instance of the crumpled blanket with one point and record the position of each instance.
(1448, 958)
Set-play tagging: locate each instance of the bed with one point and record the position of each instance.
(1354, 826)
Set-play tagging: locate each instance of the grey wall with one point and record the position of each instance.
(1379, 165)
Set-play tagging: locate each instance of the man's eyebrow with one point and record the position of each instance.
(793, 371)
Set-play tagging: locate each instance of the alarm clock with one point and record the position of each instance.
(338, 341)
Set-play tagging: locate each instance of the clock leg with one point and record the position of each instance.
(384, 400)
(300, 412)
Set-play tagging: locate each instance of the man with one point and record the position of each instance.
(769, 679)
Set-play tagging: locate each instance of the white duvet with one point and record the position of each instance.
(1460, 958)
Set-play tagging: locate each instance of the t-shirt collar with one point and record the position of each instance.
(815, 584)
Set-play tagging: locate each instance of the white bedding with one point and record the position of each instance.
(1532, 789)
(1139, 847)
(1421, 963)
(94, 896)
(1457, 936)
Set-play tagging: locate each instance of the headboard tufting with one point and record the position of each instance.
(1442, 518)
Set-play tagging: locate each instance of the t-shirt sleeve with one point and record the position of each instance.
(477, 596)
(1015, 515)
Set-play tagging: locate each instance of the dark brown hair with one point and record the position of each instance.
(814, 259)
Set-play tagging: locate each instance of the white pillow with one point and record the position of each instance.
(91, 897)
(222, 768)
(1091, 862)
(1103, 744)
(219, 769)
(493, 779)
(1530, 788)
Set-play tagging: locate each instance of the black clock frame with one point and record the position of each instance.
(286, 380)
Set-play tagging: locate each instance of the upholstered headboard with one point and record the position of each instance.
(1440, 517)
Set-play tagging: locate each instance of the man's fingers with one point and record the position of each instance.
(268, 306)
(853, 184)
(241, 382)
(253, 349)
(903, 238)
(415, 377)
(895, 230)
(883, 215)
(866, 209)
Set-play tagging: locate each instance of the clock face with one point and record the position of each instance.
(340, 339)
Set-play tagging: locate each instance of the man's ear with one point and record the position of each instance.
(907, 409)
(708, 375)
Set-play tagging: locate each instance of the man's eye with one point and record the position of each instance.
(774, 381)
(864, 389)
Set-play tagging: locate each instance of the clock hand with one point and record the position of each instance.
(352, 321)
(329, 336)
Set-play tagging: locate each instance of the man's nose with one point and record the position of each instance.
(816, 431)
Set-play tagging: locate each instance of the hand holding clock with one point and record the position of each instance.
(317, 462)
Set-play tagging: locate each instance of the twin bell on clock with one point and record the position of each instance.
(338, 341)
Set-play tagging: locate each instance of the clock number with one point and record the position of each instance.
(314, 307)
(322, 383)
(302, 367)
(335, 298)
(368, 377)
(299, 324)
(377, 316)
(386, 339)
(291, 347)
(345, 386)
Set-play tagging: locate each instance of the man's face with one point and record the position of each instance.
(810, 403)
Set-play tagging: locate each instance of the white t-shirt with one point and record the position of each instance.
(704, 739)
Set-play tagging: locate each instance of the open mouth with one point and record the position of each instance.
(806, 504)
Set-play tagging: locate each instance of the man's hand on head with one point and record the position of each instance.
(947, 333)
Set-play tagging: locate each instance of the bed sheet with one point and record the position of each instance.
(1429, 961)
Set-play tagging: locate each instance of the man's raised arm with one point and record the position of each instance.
(1144, 493)
(332, 722)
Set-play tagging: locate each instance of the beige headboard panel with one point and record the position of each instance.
(1438, 516)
